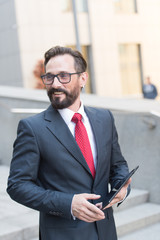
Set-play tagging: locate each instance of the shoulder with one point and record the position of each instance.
(100, 113)
(34, 118)
(37, 117)
(32, 122)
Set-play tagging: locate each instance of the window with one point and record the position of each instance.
(81, 5)
(125, 6)
(130, 68)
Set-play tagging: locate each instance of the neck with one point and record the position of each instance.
(75, 106)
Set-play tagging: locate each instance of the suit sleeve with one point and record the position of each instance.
(23, 184)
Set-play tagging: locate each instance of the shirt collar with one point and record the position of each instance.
(67, 114)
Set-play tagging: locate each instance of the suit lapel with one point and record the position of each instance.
(96, 128)
(56, 125)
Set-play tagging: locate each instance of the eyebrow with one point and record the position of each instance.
(57, 73)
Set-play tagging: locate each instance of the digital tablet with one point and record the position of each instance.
(114, 192)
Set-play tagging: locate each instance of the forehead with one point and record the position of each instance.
(61, 63)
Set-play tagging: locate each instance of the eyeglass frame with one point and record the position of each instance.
(56, 75)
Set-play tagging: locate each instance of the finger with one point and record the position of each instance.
(94, 210)
(88, 196)
(128, 182)
(108, 206)
(99, 205)
(121, 195)
(90, 216)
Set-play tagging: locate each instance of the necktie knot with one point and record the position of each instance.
(76, 117)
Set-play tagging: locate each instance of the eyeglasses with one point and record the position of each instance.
(62, 77)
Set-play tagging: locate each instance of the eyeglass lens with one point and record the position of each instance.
(62, 77)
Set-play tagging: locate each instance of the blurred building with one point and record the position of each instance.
(122, 36)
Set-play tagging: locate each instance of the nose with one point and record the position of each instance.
(56, 83)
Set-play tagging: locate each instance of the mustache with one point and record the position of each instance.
(53, 90)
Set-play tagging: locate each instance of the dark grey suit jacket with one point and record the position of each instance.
(48, 168)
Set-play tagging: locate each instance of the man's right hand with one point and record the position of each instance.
(84, 210)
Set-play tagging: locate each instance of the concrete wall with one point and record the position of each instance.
(139, 137)
(137, 121)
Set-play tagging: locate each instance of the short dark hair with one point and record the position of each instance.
(80, 62)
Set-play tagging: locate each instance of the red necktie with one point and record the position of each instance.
(83, 141)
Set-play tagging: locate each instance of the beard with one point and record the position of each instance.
(67, 101)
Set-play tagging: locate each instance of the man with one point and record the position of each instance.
(51, 173)
(149, 89)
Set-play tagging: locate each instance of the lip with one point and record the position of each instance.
(58, 93)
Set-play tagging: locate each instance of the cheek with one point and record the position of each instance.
(48, 87)
(69, 87)
(75, 85)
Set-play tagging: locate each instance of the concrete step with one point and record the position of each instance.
(149, 233)
(16, 221)
(136, 197)
(137, 217)
(20, 227)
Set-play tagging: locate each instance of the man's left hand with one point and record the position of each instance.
(120, 196)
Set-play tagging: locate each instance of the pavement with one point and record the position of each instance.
(17, 222)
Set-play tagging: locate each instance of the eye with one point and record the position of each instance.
(63, 75)
(49, 76)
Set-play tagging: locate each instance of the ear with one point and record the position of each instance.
(83, 79)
